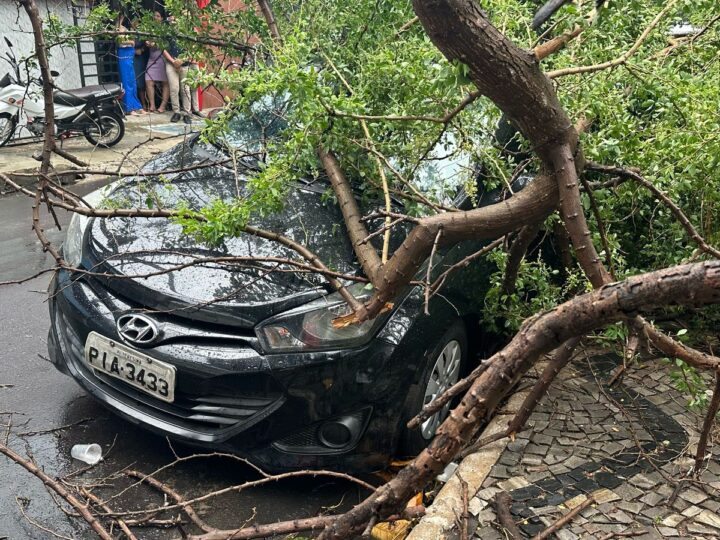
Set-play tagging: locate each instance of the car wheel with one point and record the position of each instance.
(443, 368)
(107, 131)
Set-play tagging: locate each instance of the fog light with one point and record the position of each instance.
(340, 432)
(335, 435)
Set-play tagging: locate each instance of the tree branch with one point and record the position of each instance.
(270, 19)
(557, 43)
(564, 520)
(503, 501)
(58, 488)
(445, 119)
(365, 252)
(710, 418)
(623, 57)
(174, 495)
(283, 528)
(516, 255)
(601, 226)
(674, 208)
(558, 360)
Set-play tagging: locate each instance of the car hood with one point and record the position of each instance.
(144, 249)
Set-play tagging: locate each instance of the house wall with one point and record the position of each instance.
(213, 96)
(15, 25)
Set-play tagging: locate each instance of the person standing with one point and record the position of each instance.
(155, 72)
(140, 66)
(126, 58)
(183, 100)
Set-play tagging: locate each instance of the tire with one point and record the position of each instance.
(452, 347)
(113, 126)
(8, 123)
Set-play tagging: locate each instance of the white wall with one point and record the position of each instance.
(15, 24)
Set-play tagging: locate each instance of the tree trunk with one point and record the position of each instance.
(512, 79)
(694, 284)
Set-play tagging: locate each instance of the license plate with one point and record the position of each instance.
(134, 368)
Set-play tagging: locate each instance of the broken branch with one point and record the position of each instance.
(293, 526)
(58, 488)
(503, 501)
(167, 490)
(564, 520)
(674, 208)
(707, 426)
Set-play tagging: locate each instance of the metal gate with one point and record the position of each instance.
(97, 57)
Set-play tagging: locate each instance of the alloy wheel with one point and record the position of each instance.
(445, 373)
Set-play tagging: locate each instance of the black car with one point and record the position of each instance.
(242, 358)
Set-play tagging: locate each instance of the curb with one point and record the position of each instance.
(440, 521)
(63, 174)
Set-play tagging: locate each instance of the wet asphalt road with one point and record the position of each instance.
(35, 397)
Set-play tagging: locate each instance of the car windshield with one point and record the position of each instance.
(440, 176)
(445, 171)
(249, 131)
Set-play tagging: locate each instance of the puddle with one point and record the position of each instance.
(175, 129)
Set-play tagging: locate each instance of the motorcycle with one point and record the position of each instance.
(93, 111)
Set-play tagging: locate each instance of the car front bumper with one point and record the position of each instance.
(273, 409)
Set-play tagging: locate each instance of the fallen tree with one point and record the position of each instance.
(512, 79)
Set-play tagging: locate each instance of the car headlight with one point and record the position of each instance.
(309, 327)
(73, 245)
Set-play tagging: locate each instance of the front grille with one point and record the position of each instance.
(198, 411)
(205, 405)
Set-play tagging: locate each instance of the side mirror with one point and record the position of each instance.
(54, 73)
(8, 42)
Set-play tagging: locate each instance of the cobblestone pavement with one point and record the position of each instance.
(584, 438)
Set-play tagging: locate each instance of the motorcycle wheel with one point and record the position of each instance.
(7, 128)
(108, 130)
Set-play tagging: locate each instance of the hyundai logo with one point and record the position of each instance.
(137, 329)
